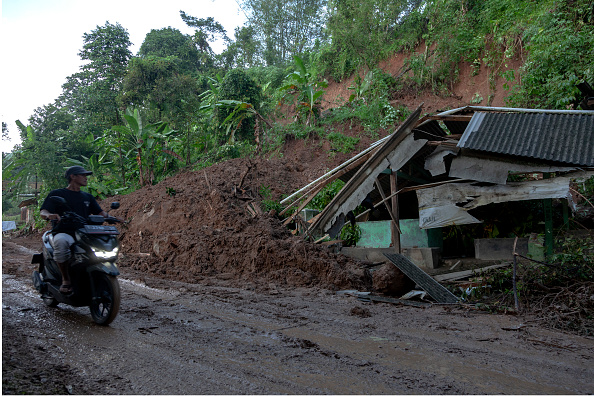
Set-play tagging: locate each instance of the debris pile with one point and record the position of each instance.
(209, 224)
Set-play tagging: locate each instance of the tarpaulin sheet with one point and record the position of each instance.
(8, 225)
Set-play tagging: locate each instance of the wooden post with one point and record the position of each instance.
(396, 211)
(548, 212)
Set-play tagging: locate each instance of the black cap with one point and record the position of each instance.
(77, 170)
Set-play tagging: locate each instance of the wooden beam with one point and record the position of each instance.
(453, 117)
(385, 201)
(395, 228)
(401, 142)
(408, 189)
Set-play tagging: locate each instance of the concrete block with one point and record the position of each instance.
(367, 254)
(499, 248)
(427, 258)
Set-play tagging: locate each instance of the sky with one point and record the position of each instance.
(40, 41)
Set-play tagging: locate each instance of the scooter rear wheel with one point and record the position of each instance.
(106, 304)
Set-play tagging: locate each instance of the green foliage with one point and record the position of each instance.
(586, 188)
(361, 87)
(38, 160)
(574, 259)
(207, 30)
(560, 41)
(361, 33)
(268, 204)
(101, 185)
(271, 75)
(323, 198)
(557, 38)
(240, 112)
(141, 150)
(350, 234)
(305, 91)
(283, 28)
(90, 95)
(374, 115)
(342, 143)
(556, 290)
(170, 42)
(245, 51)
(238, 86)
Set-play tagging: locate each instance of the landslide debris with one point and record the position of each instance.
(196, 226)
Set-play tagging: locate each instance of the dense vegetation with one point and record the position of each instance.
(135, 119)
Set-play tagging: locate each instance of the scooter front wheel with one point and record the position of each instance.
(106, 302)
(50, 301)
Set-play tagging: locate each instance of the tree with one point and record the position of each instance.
(245, 51)
(362, 32)
(207, 30)
(285, 28)
(37, 159)
(238, 86)
(155, 85)
(168, 42)
(305, 90)
(56, 124)
(5, 133)
(90, 95)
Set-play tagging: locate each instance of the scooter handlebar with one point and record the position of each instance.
(112, 220)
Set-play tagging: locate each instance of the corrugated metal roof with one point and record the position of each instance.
(552, 136)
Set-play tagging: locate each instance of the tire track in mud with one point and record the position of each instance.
(178, 338)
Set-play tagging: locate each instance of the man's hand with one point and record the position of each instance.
(49, 216)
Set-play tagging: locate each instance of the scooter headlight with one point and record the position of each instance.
(106, 255)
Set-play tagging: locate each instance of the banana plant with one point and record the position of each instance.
(144, 143)
(36, 160)
(98, 185)
(306, 90)
(241, 111)
(361, 87)
(209, 97)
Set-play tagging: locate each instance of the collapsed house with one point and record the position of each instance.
(432, 172)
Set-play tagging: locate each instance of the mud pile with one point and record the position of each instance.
(197, 226)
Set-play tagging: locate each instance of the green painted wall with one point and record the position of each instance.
(377, 234)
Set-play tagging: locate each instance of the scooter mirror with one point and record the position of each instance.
(115, 205)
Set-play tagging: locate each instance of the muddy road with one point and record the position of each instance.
(179, 338)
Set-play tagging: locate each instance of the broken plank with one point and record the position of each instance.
(467, 273)
(393, 301)
(421, 278)
(316, 188)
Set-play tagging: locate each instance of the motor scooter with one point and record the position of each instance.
(92, 267)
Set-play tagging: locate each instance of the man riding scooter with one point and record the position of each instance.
(81, 203)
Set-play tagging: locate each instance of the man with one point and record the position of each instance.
(81, 203)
